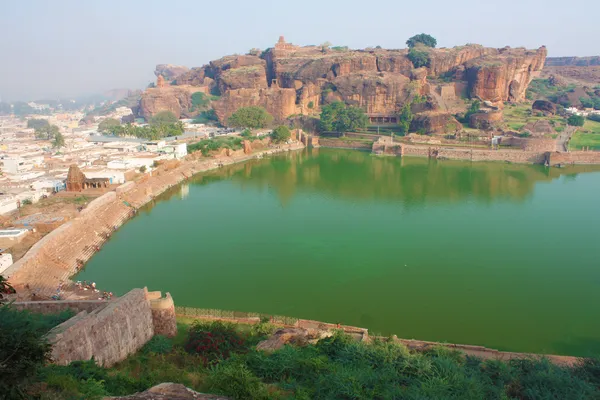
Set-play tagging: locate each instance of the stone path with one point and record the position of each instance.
(563, 138)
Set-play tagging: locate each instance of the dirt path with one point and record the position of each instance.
(562, 141)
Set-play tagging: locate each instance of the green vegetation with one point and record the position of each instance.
(337, 117)
(586, 137)
(108, 124)
(58, 141)
(281, 134)
(46, 132)
(473, 109)
(221, 358)
(151, 132)
(594, 117)
(23, 349)
(544, 89)
(576, 120)
(419, 57)
(201, 101)
(5, 288)
(422, 38)
(35, 123)
(164, 117)
(591, 102)
(252, 117)
(517, 116)
(207, 145)
(311, 105)
(206, 117)
(405, 118)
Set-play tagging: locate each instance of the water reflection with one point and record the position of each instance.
(359, 175)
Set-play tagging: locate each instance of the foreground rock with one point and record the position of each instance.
(293, 336)
(169, 391)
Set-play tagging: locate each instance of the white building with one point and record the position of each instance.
(6, 261)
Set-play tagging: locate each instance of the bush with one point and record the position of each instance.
(576, 120)
(281, 134)
(423, 38)
(419, 58)
(311, 105)
(252, 117)
(143, 169)
(159, 344)
(163, 117)
(214, 341)
(236, 380)
(594, 117)
(263, 328)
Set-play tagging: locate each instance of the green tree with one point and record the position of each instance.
(58, 141)
(163, 117)
(23, 351)
(281, 134)
(108, 125)
(576, 120)
(36, 123)
(405, 118)
(200, 100)
(473, 109)
(46, 132)
(252, 117)
(422, 38)
(329, 116)
(5, 288)
(419, 57)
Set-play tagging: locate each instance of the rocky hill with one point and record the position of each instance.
(292, 80)
(573, 61)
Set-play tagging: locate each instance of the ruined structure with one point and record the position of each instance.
(292, 80)
(160, 82)
(77, 181)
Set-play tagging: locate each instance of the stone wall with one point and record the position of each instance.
(101, 201)
(109, 333)
(342, 144)
(163, 314)
(514, 156)
(574, 157)
(55, 307)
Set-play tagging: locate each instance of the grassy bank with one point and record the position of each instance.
(223, 359)
(586, 136)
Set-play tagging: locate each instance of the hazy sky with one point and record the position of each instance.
(74, 47)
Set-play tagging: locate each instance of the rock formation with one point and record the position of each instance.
(435, 122)
(545, 106)
(486, 120)
(170, 71)
(289, 79)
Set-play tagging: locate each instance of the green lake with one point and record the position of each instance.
(501, 255)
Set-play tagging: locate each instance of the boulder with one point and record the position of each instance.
(436, 123)
(169, 391)
(293, 336)
(545, 106)
(486, 120)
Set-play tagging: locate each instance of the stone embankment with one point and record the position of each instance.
(59, 255)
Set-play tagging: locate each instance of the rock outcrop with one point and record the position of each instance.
(170, 71)
(435, 122)
(505, 76)
(486, 120)
(573, 61)
(545, 106)
(177, 99)
(169, 391)
(293, 336)
(289, 79)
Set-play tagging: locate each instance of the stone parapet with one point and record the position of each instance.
(163, 314)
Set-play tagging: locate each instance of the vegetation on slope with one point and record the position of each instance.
(221, 358)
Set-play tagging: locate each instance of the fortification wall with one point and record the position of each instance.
(163, 314)
(109, 333)
(575, 157)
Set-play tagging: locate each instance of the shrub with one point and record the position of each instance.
(163, 117)
(236, 380)
(281, 134)
(159, 344)
(263, 328)
(311, 104)
(419, 58)
(576, 120)
(214, 341)
(594, 117)
(252, 117)
(143, 169)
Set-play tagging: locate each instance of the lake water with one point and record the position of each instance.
(505, 256)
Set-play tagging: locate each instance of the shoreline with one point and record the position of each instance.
(49, 264)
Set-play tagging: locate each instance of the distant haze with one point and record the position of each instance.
(74, 47)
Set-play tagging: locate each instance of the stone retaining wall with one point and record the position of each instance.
(341, 144)
(575, 157)
(108, 334)
(55, 307)
(514, 156)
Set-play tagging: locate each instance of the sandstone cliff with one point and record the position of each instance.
(177, 99)
(289, 79)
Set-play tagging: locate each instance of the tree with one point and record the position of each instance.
(594, 117)
(36, 123)
(46, 132)
(339, 118)
(405, 118)
(473, 109)
(419, 57)
(164, 117)
(423, 38)
(23, 350)
(59, 141)
(576, 120)
(281, 134)
(200, 100)
(252, 117)
(108, 125)
(143, 169)
(5, 288)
